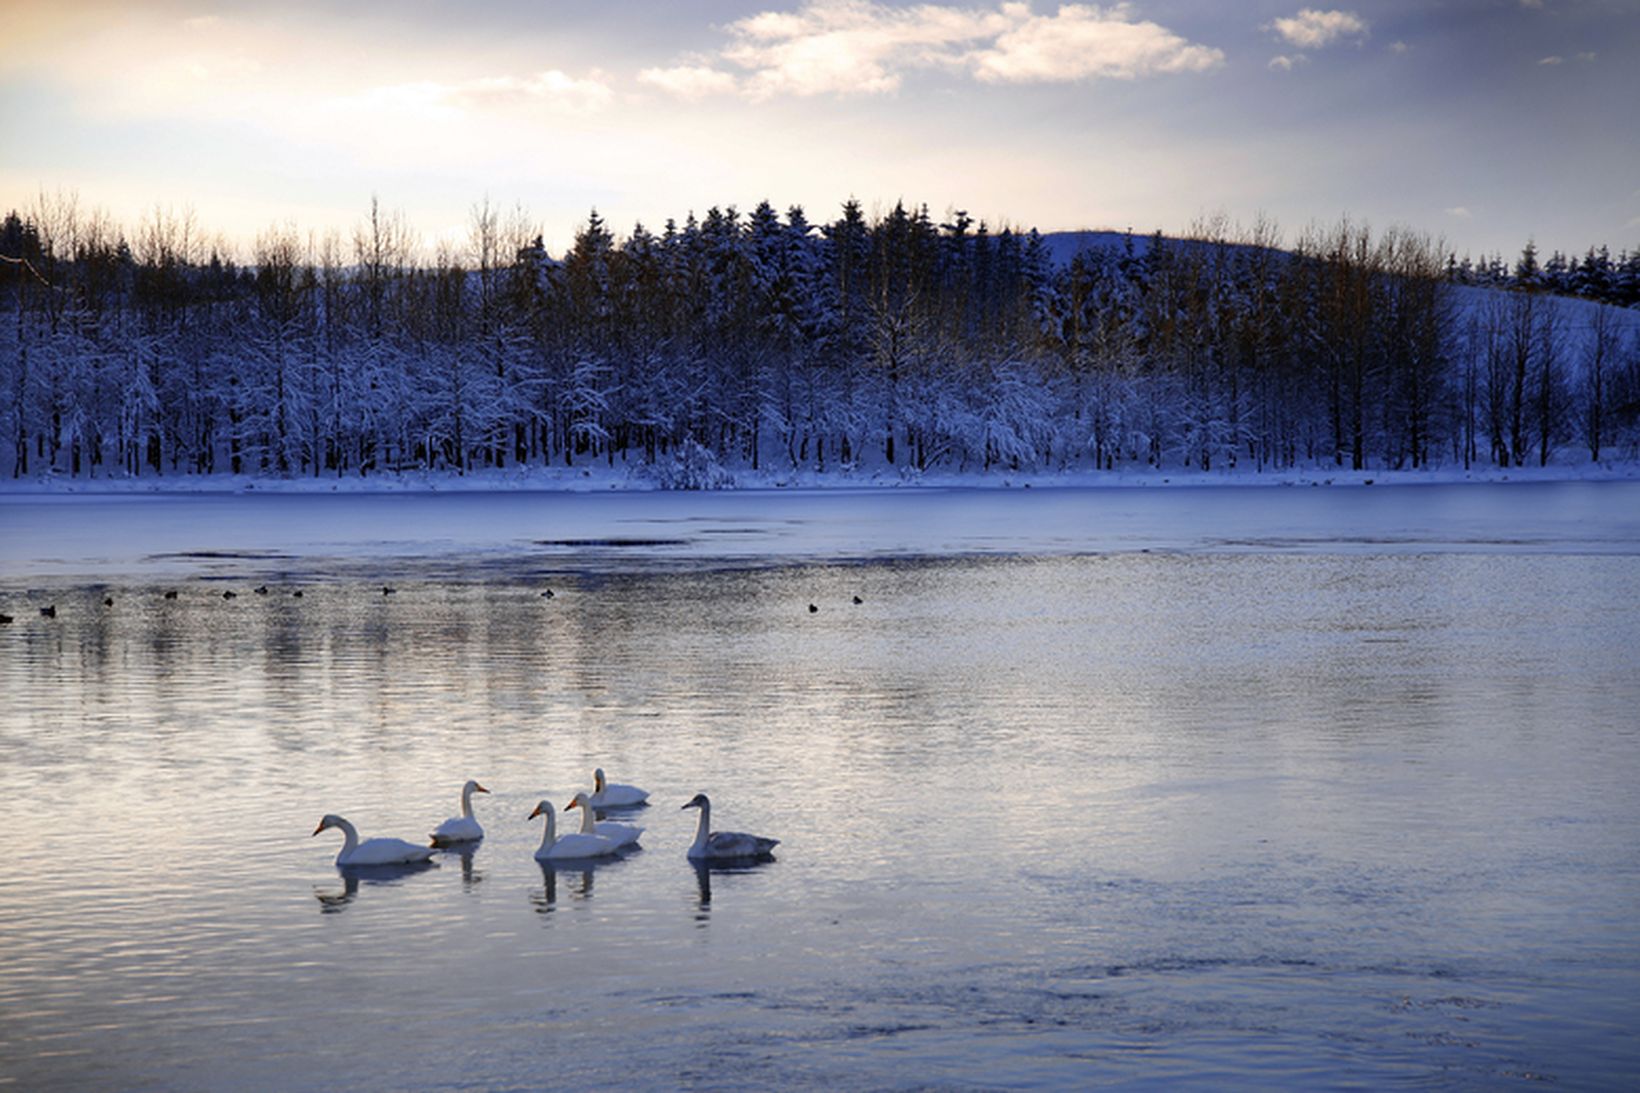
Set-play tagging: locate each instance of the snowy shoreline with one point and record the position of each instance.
(600, 477)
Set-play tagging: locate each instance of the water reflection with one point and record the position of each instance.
(470, 874)
(703, 880)
(332, 901)
(577, 877)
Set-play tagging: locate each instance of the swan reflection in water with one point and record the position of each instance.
(470, 876)
(387, 876)
(703, 880)
(577, 877)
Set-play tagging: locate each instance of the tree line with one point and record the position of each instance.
(870, 342)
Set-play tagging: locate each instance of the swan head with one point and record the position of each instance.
(598, 780)
(699, 800)
(580, 800)
(542, 808)
(472, 786)
(329, 820)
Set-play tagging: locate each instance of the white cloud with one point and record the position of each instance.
(1552, 61)
(689, 81)
(1312, 29)
(1080, 41)
(1287, 62)
(850, 47)
(1588, 57)
(1399, 47)
(1462, 212)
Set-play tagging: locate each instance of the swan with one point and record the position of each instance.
(372, 851)
(712, 845)
(463, 828)
(611, 795)
(570, 846)
(620, 834)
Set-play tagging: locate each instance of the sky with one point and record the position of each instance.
(1483, 122)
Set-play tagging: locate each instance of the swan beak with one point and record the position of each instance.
(318, 829)
(573, 804)
(534, 814)
(480, 789)
(691, 804)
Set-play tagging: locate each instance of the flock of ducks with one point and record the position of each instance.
(596, 838)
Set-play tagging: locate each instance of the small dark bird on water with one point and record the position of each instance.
(547, 595)
(108, 601)
(230, 594)
(858, 600)
(297, 594)
(49, 612)
(813, 610)
(386, 591)
(171, 595)
(5, 619)
(262, 590)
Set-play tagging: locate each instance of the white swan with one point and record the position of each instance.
(620, 834)
(570, 846)
(372, 851)
(612, 795)
(463, 828)
(712, 845)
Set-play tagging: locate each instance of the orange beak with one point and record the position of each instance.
(534, 814)
(318, 829)
(480, 789)
(573, 804)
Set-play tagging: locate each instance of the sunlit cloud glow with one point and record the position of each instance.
(859, 47)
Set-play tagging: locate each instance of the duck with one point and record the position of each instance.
(171, 595)
(622, 834)
(463, 828)
(569, 847)
(712, 845)
(613, 795)
(372, 851)
(48, 612)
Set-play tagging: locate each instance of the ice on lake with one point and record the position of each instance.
(1169, 788)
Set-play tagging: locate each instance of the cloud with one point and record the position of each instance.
(1399, 47)
(1287, 62)
(1552, 61)
(855, 47)
(1313, 29)
(1081, 42)
(1462, 212)
(690, 81)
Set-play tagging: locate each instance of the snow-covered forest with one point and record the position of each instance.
(764, 340)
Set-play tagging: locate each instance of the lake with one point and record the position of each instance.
(1186, 788)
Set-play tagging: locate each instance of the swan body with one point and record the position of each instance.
(614, 795)
(372, 851)
(619, 834)
(712, 845)
(569, 847)
(463, 828)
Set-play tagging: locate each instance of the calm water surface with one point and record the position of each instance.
(1232, 811)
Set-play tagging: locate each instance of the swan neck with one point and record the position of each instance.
(551, 834)
(589, 823)
(703, 827)
(467, 801)
(350, 839)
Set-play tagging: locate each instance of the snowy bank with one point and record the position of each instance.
(601, 476)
